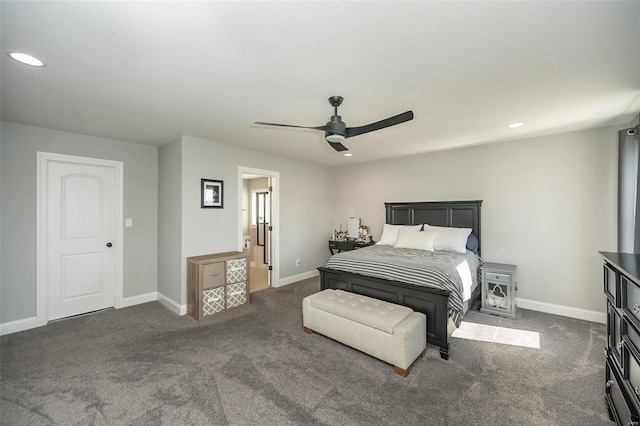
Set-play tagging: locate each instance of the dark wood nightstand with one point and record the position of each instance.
(347, 245)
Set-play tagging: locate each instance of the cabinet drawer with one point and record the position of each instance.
(236, 294)
(614, 325)
(632, 374)
(212, 275)
(212, 301)
(236, 270)
(496, 277)
(623, 412)
(611, 281)
(630, 298)
(631, 336)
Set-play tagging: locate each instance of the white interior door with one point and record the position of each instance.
(81, 223)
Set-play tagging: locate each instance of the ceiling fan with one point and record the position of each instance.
(336, 130)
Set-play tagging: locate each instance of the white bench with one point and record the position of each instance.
(392, 333)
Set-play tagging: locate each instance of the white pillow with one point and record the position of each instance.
(454, 239)
(390, 233)
(409, 238)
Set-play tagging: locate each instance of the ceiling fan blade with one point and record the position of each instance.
(291, 125)
(338, 146)
(387, 122)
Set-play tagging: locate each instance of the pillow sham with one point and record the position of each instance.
(390, 233)
(472, 243)
(409, 238)
(454, 239)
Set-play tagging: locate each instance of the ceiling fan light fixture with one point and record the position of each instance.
(335, 138)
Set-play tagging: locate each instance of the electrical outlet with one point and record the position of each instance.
(298, 261)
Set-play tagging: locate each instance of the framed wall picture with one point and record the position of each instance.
(212, 195)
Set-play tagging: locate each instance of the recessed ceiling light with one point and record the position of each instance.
(348, 154)
(515, 125)
(26, 59)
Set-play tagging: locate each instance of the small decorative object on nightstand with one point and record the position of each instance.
(348, 245)
(499, 288)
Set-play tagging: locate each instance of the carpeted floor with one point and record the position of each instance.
(144, 365)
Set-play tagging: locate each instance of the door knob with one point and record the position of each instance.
(109, 244)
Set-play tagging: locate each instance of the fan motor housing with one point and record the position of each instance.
(336, 126)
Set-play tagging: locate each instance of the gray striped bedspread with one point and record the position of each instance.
(456, 272)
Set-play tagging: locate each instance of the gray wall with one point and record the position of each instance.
(19, 145)
(549, 205)
(170, 219)
(305, 208)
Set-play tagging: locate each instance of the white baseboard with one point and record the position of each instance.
(565, 311)
(18, 325)
(137, 300)
(295, 278)
(172, 305)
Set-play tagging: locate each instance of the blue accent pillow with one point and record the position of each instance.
(472, 243)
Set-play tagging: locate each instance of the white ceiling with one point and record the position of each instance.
(147, 72)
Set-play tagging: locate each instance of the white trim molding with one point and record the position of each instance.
(565, 311)
(275, 217)
(18, 325)
(140, 299)
(29, 323)
(172, 305)
(298, 277)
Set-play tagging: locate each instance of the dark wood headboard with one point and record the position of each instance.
(454, 214)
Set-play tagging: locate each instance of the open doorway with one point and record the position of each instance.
(258, 225)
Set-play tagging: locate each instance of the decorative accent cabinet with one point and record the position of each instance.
(622, 288)
(499, 288)
(217, 282)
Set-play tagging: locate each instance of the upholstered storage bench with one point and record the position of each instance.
(392, 333)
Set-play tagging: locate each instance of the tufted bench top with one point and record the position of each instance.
(374, 313)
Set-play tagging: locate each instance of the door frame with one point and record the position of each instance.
(275, 218)
(42, 227)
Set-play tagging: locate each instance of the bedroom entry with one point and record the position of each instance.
(79, 235)
(258, 226)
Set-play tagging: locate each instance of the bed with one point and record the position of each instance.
(435, 303)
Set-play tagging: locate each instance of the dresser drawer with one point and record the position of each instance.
(631, 336)
(614, 325)
(611, 283)
(213, 275)
(631, 374)
(630, 299)
(621, 409)
(495, 277)
(236, 270)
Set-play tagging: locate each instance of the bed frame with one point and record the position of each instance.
(432, 302)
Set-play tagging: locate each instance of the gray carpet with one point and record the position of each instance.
(144, 365)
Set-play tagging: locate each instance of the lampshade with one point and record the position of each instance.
(335, 138)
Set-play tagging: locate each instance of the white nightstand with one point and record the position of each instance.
(499, 289)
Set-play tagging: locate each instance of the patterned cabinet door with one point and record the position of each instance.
(236, 294)
(236, 270)
(212, 301)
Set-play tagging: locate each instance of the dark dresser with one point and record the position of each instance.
(622, 288)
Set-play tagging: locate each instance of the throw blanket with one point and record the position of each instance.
(447, 270)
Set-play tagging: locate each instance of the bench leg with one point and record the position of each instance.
(400, 371)
(308, 330)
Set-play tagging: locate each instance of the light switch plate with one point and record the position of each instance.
(128, 223)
